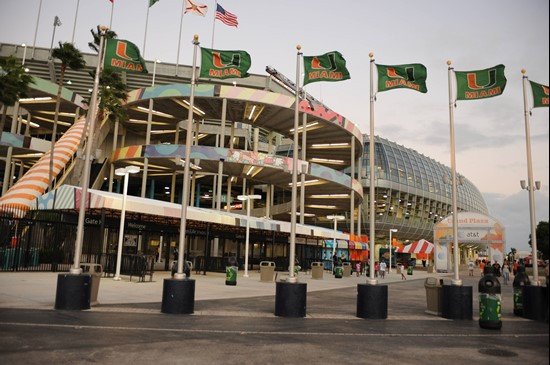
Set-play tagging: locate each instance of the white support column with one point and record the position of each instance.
(302, 175)
(352, 192)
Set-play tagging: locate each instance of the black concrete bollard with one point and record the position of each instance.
(457, 302)
(372, 301)
(73, 292)
(535, 302)
(290, 299)
(178, 296)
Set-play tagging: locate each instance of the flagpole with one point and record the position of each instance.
(36, 28)
(75, 18)
(76, 270)
(456, 280)
(146, 23)
(188, 142)
(371, 280)
(179, 38)
(214, 25)
(112, 11)
(530, 184)
(292, 278)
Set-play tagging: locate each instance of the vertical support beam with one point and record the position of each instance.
(112, 166)
(302, 175)
(360, 178)
(256, 139)
(174, 174)
(147, 142)
(352, 194)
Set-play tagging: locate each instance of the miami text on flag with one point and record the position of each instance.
(224, 64)
(412, 76)
(123, 56)
(226, 17)
(328, 67)
(481, 84)
(540, 95)
(195, 8)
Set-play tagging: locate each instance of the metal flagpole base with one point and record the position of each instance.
(456, 302)
(535, 302)
(178, 296)
(290, 299)
(73, 292)
(372, 301)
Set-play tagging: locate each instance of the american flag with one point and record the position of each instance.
(226, 17)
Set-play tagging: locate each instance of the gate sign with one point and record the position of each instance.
(474, 229)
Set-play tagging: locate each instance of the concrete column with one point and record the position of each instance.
(256, 139)
(193, 184)
(112, 167)
(352, 195)
(302, 175)
(360, 207)
(174, 174)
(147, 142)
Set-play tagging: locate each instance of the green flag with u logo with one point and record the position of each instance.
(216, 64)
(412, 76)
(540, 95)
(471, 85)
(328, 67)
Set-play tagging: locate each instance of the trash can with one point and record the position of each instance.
(489, 300)
(317, 270)
(430, 269)
(267, 271)
(231, 275)
(409, 270)
(347, 269)
(95, 270)
(338, 272)
(520, 280)
(433, 295)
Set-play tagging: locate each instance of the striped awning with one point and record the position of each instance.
(421, 246)
(20, 196)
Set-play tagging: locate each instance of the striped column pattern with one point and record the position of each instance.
(34, 183)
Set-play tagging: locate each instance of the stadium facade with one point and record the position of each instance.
(241, 135)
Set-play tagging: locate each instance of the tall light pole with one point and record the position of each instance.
(123, 171)
(393, 230)
(24, 45)
(56, 23)
(247, 198)
(334, 218)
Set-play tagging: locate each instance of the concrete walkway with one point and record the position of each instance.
(36, 290)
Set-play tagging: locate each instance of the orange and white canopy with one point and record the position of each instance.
(421, 246)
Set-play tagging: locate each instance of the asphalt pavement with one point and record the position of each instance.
(236, 325)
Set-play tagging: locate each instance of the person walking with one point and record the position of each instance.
(403, 268)
(515, 267)
(482, 266)
(358, 268)
(470, 268)
(506, 272)
(376, 269)
(383, 269)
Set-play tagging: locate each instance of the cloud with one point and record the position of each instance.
(513, 212)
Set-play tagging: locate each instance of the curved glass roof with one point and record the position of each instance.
(412, 170)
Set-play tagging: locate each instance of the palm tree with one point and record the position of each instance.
(14, 84)
(113, 92)
(109, 34)
(69, 56)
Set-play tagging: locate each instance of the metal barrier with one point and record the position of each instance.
(132, 265)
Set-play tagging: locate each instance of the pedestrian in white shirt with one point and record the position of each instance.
(382, 269)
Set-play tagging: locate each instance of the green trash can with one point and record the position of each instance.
(231, 275)
(409, 270)
(339, 272)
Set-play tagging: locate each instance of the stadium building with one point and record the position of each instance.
(241, 136)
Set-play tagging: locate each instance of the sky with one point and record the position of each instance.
(473, 34)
